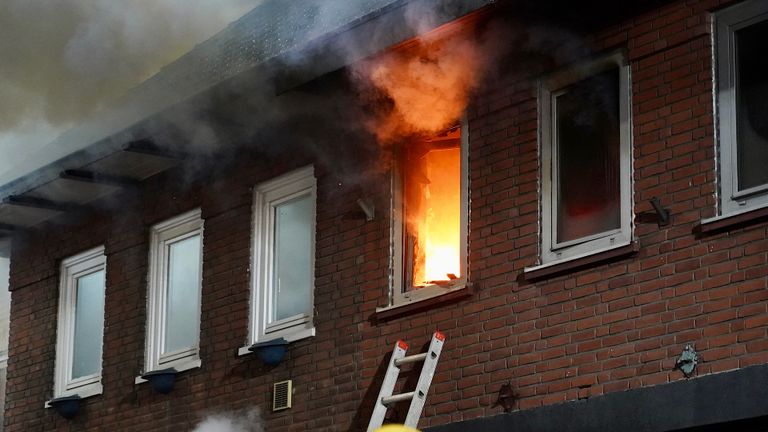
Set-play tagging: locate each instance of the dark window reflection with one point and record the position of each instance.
(588, 166)
(752, 105)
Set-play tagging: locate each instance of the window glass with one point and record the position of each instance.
(80, 328)
(586, 159)
(283, 253)
(293, 254)
(752, 106)
(183, 294)
(173, 310)
(89, 322)
(588, 169)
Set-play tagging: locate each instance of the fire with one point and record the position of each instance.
(428, 85)
(433, 209)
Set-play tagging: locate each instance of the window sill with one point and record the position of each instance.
(85, 394)
(190, 364)
(732, 220)
(396, 311)
(292, 337)
(576, 263)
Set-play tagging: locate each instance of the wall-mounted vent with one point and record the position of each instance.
(281, 395)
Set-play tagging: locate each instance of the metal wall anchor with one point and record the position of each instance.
(687, 361)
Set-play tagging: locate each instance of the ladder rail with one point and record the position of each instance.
(419, 394)
(425, 380)
(387, 386)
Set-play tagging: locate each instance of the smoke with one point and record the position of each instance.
(73, 58)
(428, 86)
(247, 421)
(64, 60)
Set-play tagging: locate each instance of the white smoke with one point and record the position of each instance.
(248, 421)
(65, 60)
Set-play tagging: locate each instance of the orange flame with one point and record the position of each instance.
(433, 213)
(428, 85)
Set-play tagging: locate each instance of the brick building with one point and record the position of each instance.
(607, 202)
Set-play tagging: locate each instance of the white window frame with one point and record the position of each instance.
(398, 296)
(549, 89)
(83, 264)
(266, 197)
(727, 23)
(162, 236)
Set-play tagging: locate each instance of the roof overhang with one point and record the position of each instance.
(285, 44)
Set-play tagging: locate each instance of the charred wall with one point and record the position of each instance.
(601, 329)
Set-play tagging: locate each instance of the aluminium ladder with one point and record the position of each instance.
(419, 395)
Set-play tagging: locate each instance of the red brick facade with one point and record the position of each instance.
(604, 328)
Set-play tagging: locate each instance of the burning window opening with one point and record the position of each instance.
(431, 178)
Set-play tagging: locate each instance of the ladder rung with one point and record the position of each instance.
(397, 398)
(410, 359)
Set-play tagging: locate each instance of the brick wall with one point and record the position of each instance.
(605, 328)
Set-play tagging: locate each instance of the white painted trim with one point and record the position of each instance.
(73, 268)
(266, 197)
(162, 235)
(398, 296)
(551, 251)
(727, 22)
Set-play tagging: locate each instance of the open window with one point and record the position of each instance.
(586, 196)
(175, 274)
(283, 284)
(430, 217)
(742, 96)
(80, 330)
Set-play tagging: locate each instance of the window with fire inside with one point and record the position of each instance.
(430, 217)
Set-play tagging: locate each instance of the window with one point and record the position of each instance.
(80, 325)
(175, 269)
(742, 95)
(283, 285)
(430, 217)
(5, 324)
(586, 160)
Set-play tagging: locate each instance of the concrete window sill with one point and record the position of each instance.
(403, 309)
(731, 221)
(578, 263)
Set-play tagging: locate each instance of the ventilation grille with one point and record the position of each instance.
(281, 395)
